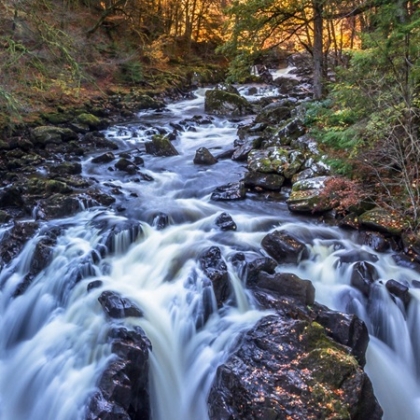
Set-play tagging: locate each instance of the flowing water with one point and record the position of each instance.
(53, 340)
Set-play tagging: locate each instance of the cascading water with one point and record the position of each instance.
(54, 335)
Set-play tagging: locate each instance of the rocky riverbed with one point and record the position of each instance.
(301, 359)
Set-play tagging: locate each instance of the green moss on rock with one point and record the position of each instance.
(384, 221)
(221, 102)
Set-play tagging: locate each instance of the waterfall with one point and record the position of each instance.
(54, 333)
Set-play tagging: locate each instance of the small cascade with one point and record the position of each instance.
(392, 359)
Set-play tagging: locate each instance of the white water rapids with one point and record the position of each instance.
(53, 337)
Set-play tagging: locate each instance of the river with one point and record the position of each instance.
(53, 341)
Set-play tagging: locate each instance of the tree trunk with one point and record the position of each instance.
(317, 49)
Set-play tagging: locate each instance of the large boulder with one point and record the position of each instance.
(278, 160)
(383, 221)
(288, 284)
(204, 157)
(274, 113)
(272, 182)
(221, 102)
(283, 369)
(44, 135)
(122, 390)
(284, 247)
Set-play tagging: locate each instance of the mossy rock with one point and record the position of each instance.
(4, 145)
(305, 196)
(58, 118)
(44, 135)
(274, 113)
(51, 186)
(384, 221)
(89, 120)
(276, 160)
(160, 146)
(221, 102)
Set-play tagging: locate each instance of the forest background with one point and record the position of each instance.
(365, 69)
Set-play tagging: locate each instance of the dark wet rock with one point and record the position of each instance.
(398, 289)
(349, 221)
(12, 197)
(122, 390)
(288, 284)
(346, 329)
(282, 369)
(116, 306)
(45, 187)
(15, 239)
(59, 205)
(406, 262)
(241, 153)
(231, 191)
(363, 276)
(66, 168)
(284, 248)
(377, 241)
(104, 158)
(383, 221)
(94, 285)
(225, 222)
(227, 154)
(160, 146)
(41, 257)
(5, 217)
(160, 221)
(214, 267)
(204, 157)
(44, 135)
(96, 141)
(257, 265)
(272, 182)
(222, 102)
(126, 165)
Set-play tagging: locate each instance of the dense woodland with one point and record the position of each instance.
(365, 56)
